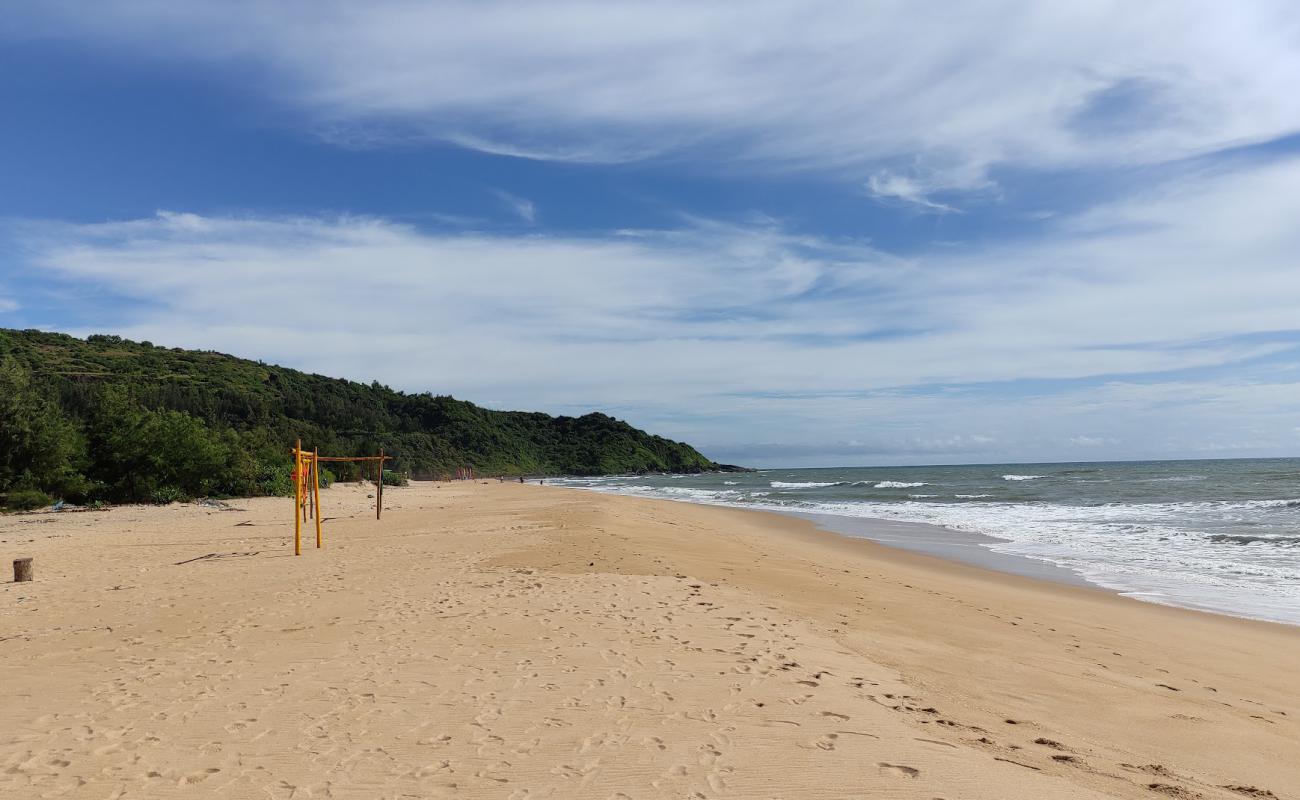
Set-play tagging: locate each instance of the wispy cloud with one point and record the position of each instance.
(751, 329)
(455, 220)
(1090, 441)
(887, 185)
(953, 92)
(521, 207)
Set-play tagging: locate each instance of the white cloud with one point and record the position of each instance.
(7, 305)
(901, 187)
(1090, 441)
(924, 91)
(751, 333)
(519, 206)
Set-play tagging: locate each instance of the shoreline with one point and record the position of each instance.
(960, 547)
(821, 528)
(941, 561)
(1010, 564)
(493, 640)
(963, 547)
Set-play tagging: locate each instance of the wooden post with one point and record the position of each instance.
(315, 490)
(302, 468)
(379, 490)
(297, 498)
(22, 570)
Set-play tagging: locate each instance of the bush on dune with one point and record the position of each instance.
(27, 499)
(395, 479)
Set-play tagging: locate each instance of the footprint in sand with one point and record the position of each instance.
(899, 770)
(1251, 791)
(826, 742)
(197, 777)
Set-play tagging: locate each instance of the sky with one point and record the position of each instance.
(790, 233)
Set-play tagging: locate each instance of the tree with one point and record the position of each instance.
(40, 449)
(155, 455)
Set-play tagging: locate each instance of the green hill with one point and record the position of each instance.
(115, 420)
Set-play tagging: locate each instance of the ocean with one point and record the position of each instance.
(1219, 535)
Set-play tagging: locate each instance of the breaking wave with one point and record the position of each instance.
(803, 484)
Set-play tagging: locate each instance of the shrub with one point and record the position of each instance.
(27, 499)
(346, 472)
(395, 479)
(163, 495)
(273, 479)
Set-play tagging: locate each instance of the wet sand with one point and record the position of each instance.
(507, 641)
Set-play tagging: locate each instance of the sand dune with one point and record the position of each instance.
(506, 641)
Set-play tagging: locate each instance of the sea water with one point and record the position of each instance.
(1217, 535)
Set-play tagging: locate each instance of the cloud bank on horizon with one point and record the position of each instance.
(1023, 231)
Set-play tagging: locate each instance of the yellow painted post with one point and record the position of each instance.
(315, 484)
(297, 498)
(302, 476)
(379, 490)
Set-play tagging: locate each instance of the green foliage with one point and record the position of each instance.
(110, 419)
(27, 499)
(40, 448)
(346, 472)
(160, 456)
(395, 478)
(273, 480)
(162, 495)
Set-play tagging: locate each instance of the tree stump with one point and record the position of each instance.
(22, 570)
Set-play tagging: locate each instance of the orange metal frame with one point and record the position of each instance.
(306, 489)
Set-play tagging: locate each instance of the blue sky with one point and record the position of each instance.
(790, 233)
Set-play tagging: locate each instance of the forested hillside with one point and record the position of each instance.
(114, 420)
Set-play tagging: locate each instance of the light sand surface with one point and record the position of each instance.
(507, 641)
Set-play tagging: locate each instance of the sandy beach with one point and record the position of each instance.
(515, 641)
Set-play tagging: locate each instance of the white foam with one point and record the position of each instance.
(801, 485)
(1022, 477)
(900, 484)
(1237, 557)
(1272, 503)
(698, 494)
(1131, 548)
